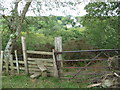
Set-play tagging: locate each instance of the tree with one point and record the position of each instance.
(14, 23)
(102, 24)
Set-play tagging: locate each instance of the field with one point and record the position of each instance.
(42, 82)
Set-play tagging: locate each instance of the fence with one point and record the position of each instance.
(81, 71)
(13, 66)
(55, 65)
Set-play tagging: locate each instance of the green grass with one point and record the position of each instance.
(42, 82)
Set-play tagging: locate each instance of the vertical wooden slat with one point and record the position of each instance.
(25, 54)
(56, 72)
(1, 62)
(7, 63)
(11, 64)
(17, 64)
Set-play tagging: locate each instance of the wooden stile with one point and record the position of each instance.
(17, 64)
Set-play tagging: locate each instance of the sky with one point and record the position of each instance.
(44, 11)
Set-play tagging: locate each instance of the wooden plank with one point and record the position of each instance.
(39, 52)
(47, 60)
(32, 72)
(17, 65)
(34, 69)
(25, 54)
(32, 66)
(11, 63)
(48, 64)
(41, 65)
(33, 63)
(56, 73)
(35, 75)
(1, 62)
(14, 61)
(21, 68)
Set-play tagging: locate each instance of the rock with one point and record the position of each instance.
(107, 83)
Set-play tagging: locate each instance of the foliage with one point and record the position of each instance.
(102, 25)
(75, 45)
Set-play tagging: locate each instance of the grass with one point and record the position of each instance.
(42, 82)
(49, 82)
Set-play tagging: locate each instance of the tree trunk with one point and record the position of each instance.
(16, 24)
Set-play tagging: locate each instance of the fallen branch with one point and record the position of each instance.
(116, 75)
(93, 85)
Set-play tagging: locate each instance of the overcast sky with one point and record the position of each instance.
(77, 10)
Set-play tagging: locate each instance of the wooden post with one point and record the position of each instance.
(11, 64)
(58, 47)
(17, 64)
(7, 63)
(25, 54)
(56, 73)
(1, 63)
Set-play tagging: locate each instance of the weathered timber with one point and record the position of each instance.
(56, 72)
(35, 75)
(58, 48)
(32, 66)
(32, 63)
(47, 60)
(11, 64)
(25, 54)
(17, 64)
(39, 52)
(1, 62)
(40, 65)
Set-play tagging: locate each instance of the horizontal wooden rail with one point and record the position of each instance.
(40, 52)
(81, 60)
(33, 59)
(20, 62)
(98, 50)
